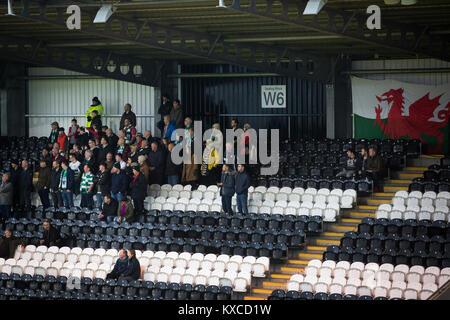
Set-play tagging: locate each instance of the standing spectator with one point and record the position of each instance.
(56, 156)
(95, 150)
(352, 165)
(123, 149)
(139, 139)
(164, 109)
(119, 160)
(125, 211)
(9, 244)
(74, 165)
(53, 134)
(363, 163)
(120, 267)
(187, 125)
(148, 136)
(102, 182)
(169, 127)
(96, 123)
(109, 210)
(77, 152)
(51, 236)
(191, 171)
(83, 139)
(227, 184)
(234, 124)
(73, 132)
(156, 164)
(176, 114)
(172, 169)
(230, 156)
(96, 105)
(144, 167)
(119, 183)
(55, 177)
(46, 157)
(242, 185)
(66, 184)
(374, 167)
(26, 185)
(128, 114)
(15, 181)
(43, 184)
(138, 189)
(112, 139)
(87, 188)
(103, 149)
(130, 132)
(109, 161)
(6, 197)
(63, 141)
(133, 271)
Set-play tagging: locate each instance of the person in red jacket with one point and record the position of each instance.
(63, 140)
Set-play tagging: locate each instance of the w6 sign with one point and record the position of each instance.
(273, 96)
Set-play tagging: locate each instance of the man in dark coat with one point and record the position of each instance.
(102, 182)
(138, 189)
(103, 149)
(172, 170)
(112, 140)
(51, 236)
(43, 183)
(109, 210)
(164, 109)
(119, 182)
(25, 185)
(242, 185)
(6, 196)
(128, 114)
(176, 114)
(9, 244)
(15, 172)
(227, 184)
(156, 164)
(120, 267)
(54, 185)
(133, 271)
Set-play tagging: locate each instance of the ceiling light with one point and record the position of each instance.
(104, 13)
(314, 6)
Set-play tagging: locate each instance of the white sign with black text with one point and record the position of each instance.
(273, 96)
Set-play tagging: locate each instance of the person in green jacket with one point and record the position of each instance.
(96, 105)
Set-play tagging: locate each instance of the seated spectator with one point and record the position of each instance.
(43, 184)
(63, 141)
(6, 197)
(133, 153)
(119, 160)
(9, 244)
(109, 161)
(53, 134)
(122, 149)
(352, 165)
(133, 271)
(109, 210)
(374, 167)
(87, 188)
(125, 211)
(95, 151)
(142, 161)
(172, 170)
(120, 267)
(156, 164)
(77, 152)
(51, 236)
(66, 184)
(73, 133)
(144, 150)
(139, 139)
(119, 182)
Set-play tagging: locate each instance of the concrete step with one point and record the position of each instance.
(354, 221)
(280, 276)
(262, 291)
(327, 242)
(309, 256)
(274, 285)
(410, 175)
(345, 228)
(384, 194)
(378, 201)
(298, 262)
(367, 207)
(254, 298)
(291, 270)
(395, 189)
(416, 168)
(357, 214)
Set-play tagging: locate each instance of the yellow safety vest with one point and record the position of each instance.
(99, 108)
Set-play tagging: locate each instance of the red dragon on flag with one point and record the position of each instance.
(412, 121)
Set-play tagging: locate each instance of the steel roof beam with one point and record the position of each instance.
(145, 33)
(100, 63)
(421, 43)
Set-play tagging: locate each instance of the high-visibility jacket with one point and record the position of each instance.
(98, 107)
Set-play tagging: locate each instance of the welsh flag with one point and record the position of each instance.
(393, 109)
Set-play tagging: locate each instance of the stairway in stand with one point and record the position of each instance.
(333, 232)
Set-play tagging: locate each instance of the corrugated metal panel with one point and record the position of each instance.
(407, 64)
(65, 98)
(221, 99)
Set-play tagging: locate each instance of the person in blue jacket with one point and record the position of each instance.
(169, 127)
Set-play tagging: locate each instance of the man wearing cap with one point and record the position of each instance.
(138, 188)
(53, 134)
(128, 114)
(96, 105)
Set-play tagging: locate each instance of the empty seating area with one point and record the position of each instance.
(330, 280)
(415, 205)
(435, 179)
(92, 265)
(21, 148)
(408, 242)
(322, 203)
